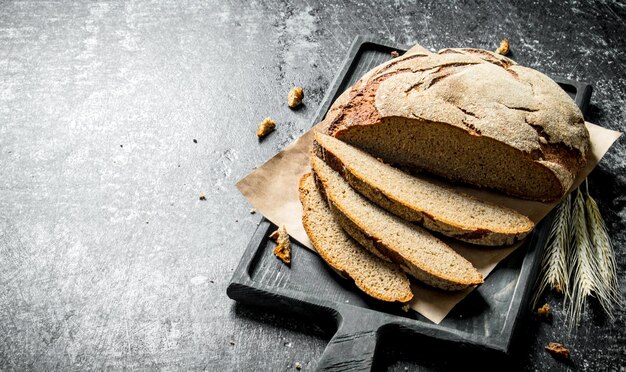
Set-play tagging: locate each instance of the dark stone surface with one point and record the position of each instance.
(108, 259)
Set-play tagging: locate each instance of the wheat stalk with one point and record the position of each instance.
(554, 271)
(583, 265)
(607, 287)
(579, 260)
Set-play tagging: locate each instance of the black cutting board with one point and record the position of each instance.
(487, 319)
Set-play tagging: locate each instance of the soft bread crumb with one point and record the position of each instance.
(406, 308)
(544, 311)
(202, 196)
(557, 288)
(374, 276)
(252, 211)
(421, 254)
(417, 200)
(298, 366)
(283, 249)
(265, 127)
(294, 98)
(504, 47)
(557, 350)
(395, 54)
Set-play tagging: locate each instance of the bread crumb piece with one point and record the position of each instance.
(557, 350)
(557, 288)
(231, 342)
(406, 308)
(298, 366)
(294, 98)
(283, 249)
(252, 211)
(202, 196)
(504, 47)
(395, 54)
(265, 127)
(544, 311)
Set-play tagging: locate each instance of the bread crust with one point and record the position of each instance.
(474, 94)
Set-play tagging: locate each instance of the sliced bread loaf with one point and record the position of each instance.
(416, 200)
(469, 115)
(417, 251)
(379, 279)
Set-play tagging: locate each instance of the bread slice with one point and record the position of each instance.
(379, 279)
(416, 200)
(468, 115)
(417, 251)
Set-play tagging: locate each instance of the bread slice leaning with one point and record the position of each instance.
(416, 200)
(379, 279)
(416, 251)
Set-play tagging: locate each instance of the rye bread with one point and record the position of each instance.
(417, 200)
(469, 115)
(379, 279)
(417, 251)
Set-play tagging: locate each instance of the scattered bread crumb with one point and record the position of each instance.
(406, 308)
(231, 342)
(202, 196)
(298, 366)
(544, 311)
(395, 54)
(294, 98)
(557, 288)
(283, 249)
(557, 350)
(252, 211)
(265, 127)
(504, 47)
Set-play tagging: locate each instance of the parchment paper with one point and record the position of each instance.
(273, 190)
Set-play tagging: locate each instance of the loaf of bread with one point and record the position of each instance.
(418, 252)
(378, 278)
(416, 199)
(468, 115)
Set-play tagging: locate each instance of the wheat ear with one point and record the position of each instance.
(554, 272)
(583, 274)
(607, 287)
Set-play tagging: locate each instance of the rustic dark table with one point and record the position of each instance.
(115, 116)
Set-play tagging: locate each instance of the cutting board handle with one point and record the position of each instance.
(353, 346)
